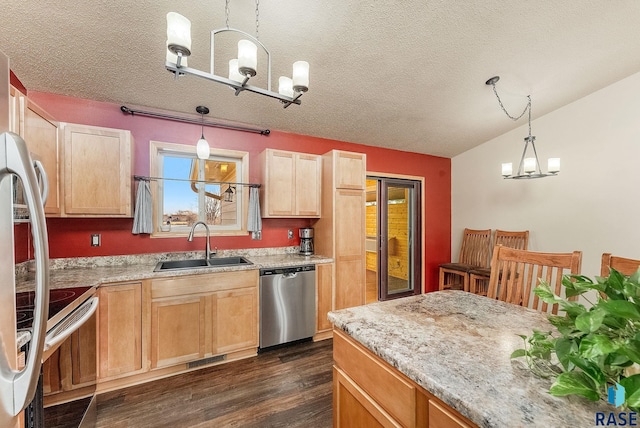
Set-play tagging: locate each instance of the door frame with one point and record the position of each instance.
(422, 216)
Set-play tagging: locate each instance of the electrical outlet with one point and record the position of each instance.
(95, 240)
(290, 234)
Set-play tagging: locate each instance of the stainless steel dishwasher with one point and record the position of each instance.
(287, 304)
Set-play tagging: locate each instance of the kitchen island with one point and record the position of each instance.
(454, 346)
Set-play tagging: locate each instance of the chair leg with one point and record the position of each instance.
(441, 280)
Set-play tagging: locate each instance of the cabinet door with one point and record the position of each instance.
(40, 132)
(119, 330)
(350, 170)
(350, 256)
(177, 330)
(97, 171)
(308, 185)
(15, 112)
(83, 354)
(235, 320)
(441, 416)
(279, 184)
(324, 285)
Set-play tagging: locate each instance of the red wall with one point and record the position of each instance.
(70, 237)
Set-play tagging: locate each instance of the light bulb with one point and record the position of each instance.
(247, 58)
(285, 86)
(507, 169)
(529, 165)
(202, 148)
(178, 33)
(300, 76)
(553, 165)
(234, 74)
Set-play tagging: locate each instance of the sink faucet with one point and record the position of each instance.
(208, 253)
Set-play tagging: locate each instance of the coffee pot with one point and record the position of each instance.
(306, 241)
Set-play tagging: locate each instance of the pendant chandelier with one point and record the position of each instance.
(202, 146)
(529, 166)
(241, 69)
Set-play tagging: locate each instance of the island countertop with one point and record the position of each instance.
(457, 346)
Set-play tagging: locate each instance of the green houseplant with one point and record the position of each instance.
(592, 348)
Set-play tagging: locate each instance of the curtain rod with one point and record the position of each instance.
(132, 112)
(144, 178)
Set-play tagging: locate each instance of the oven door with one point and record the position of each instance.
(68, 384)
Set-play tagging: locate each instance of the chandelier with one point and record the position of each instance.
(241, 69)
(529, 166)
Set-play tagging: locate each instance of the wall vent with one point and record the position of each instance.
(205, 361)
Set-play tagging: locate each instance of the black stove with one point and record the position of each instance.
(58, 300)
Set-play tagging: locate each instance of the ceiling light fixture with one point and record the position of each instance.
(202, 148)
(241, 69)
(529, 166)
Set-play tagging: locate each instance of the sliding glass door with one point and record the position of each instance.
(396, 236)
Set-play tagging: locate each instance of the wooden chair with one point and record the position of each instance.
(474, 253)
(621, 264)
(515, 273)
(479, 278)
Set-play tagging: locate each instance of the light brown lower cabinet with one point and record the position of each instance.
(367, 391)
(201, 316)
(324, 298)
(120, 335)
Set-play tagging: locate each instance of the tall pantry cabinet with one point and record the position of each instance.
(340, 233)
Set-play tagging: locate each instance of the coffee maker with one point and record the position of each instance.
(306, 241)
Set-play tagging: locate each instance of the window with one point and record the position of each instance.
(193, 190)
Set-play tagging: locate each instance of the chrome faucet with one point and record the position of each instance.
(208, 253)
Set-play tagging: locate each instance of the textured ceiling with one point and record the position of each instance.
(407, 75)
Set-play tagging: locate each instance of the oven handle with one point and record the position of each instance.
(71, 323)
(23, 383)
(43, 181)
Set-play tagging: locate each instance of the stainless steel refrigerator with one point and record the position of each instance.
(18, 385)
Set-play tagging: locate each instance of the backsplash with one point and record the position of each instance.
(139, 259)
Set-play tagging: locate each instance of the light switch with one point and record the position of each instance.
(95, 240)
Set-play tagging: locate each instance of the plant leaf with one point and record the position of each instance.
(577, 383)
(591, 321)
(593, 346)
(564, 348)
(543, 291)
(632, 350)
(632, 390)
(620, 308)
(519, 353)
(590, 368)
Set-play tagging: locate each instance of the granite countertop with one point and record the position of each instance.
(457, 345)
(94, 271)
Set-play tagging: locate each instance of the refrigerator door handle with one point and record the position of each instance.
(43, 181)
(21, 384)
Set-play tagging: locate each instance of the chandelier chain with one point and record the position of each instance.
(226, 12)
(527, 107)
(257, 19)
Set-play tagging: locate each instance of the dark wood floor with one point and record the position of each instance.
(286, 387)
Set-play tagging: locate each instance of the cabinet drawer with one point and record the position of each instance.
(207, 283)
(395, 394)
(441, 417)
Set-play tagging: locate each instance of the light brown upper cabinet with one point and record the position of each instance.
(97, 171)
(350, 170)
(40, 132)
(292, 184)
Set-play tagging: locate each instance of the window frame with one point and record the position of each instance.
(159, 148)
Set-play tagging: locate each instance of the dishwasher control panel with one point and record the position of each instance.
(286, 270)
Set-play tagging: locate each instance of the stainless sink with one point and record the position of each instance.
(201, 263)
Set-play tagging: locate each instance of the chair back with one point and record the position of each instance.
(518, 240)
(515, 273)
(621, 264)
(476, 247)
